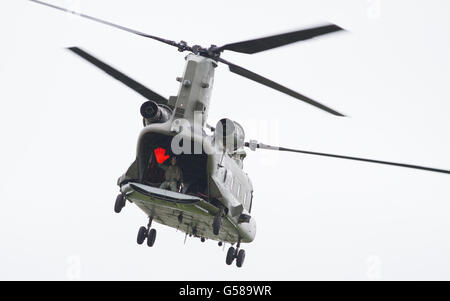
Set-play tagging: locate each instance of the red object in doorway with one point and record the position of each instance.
(161, 156)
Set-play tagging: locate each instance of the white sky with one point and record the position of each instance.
(68, 131)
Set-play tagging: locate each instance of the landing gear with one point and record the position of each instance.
(240, 258)
(237, 254)
(151, 237)
(147, 232)
(230, 256)
(142, 234)
(120, 203)
(217, 224)
(202, 239)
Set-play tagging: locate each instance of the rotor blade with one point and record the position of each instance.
(262, 44)
(253, 145)
(131, 83)
(269, 83)
(169, 42)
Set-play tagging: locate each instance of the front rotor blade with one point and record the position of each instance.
(169, 42)
(264, 146)
(129, 82)
(262, 44)
(269, 83)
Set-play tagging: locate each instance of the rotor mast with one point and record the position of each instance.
(194, 94)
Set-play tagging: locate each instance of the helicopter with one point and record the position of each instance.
(214, 196)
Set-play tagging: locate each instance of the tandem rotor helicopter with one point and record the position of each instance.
(213, 198)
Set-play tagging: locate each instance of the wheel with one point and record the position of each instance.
(230, 255)
(120, 203)
(240, 258)
(151, 238)
(202, 239)
(220, 243)
(217, 224)
(142, 234)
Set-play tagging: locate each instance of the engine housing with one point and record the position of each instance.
(155, 113)
(229, 134)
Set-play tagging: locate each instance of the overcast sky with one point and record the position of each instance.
(68, 131)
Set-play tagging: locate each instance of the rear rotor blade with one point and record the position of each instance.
(129, 82)
(253, 145)
(269, 83)
(169, 42)
(262, 44)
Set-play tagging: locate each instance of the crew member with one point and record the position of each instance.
(172, 175)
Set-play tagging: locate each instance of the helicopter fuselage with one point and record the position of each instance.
(217, 171)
